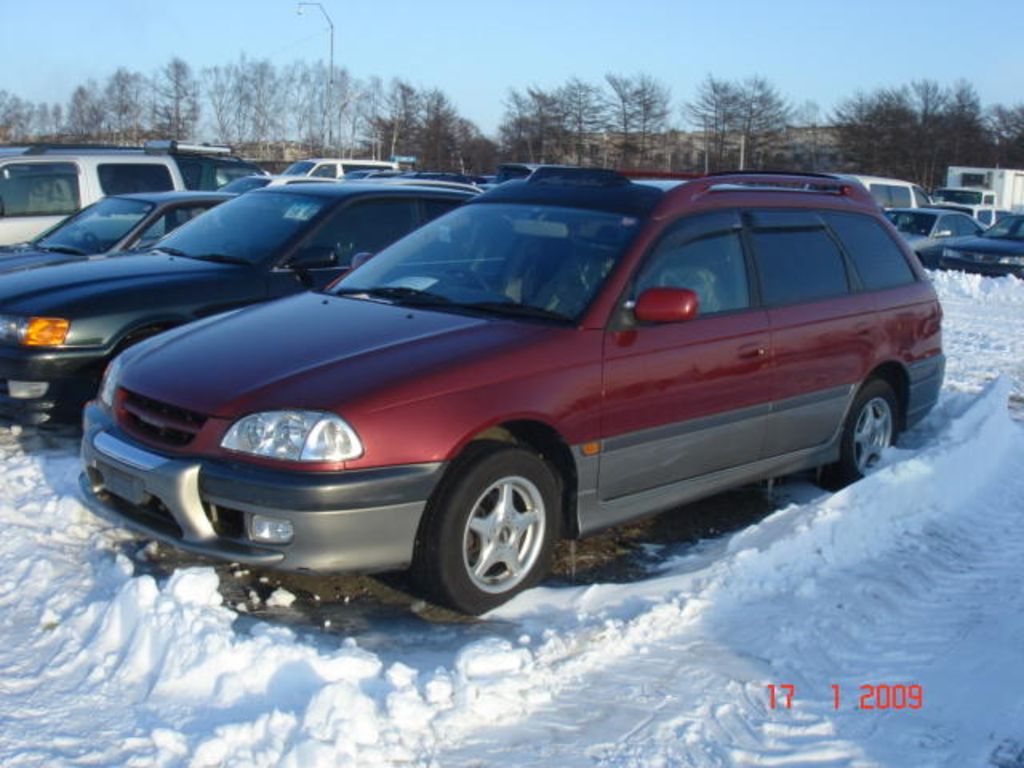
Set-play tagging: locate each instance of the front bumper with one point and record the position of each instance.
(364, 520)
(73, 377)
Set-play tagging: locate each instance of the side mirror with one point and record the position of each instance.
(313, 257)
(943, 233)
(666, 305)
(361, 258)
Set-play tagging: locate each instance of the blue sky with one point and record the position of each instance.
(820, 50)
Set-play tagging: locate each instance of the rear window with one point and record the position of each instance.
(125, 178)
(891, 196)
(878, 260)
(798, 265)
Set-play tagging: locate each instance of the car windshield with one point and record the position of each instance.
(912, 223)
(962, 196)
(1007, 228)
(96, 229)
(515, 260)
(250, 229)
(300, 168)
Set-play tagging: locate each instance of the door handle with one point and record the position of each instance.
(752, 351)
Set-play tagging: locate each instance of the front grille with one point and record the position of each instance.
(159, 422)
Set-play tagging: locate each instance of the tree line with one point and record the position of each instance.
(273, 112)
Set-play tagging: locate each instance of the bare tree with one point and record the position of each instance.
(651, 109)
(123, 97)
(715, 111)
(584, 111)
(624, 114)
(176, 102)
(86, 113)
(762, 115)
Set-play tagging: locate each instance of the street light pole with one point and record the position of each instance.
(330, 72)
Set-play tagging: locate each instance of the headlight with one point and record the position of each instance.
(111, 380)
(294, 436)
(34, 331)
(1013, 260)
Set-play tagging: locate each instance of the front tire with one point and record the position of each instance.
(869, 429)
(489, 532)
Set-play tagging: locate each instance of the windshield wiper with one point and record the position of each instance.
(63, 249)
(514, 309)
(170, 251)
(221, 258)
(399, 295)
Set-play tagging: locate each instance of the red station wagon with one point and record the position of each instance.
(557, 356)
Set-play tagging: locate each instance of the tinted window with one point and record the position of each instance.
(798, 265)
(912, 222)
(712, 266)
(124, 178)
(365, 227)
(878, 260)
(985, 217)
(436, 207)
(39, 189)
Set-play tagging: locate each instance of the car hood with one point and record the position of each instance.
(311, 351)
(37, 291)
(994, 245)
(29, 258)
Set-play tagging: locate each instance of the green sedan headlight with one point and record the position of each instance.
(308, 436)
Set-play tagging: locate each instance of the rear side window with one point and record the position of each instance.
(326, 170)
(39, 189)
(891, 196)
(798, 265)
(124, 178)
(878, 260)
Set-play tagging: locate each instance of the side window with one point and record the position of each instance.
(985, 217)
(365, 227)
(191, 171)
(437, 206)
(881, 194)
(921, 197)
(39, 189)
(167, 222)
(948, 224)
(988, 200)
(797, 265)
(900, 197)
(326, 171)
(123, 178)
(878, 260)
(710, 263)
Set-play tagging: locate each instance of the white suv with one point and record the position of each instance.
(336, 167)
(42, 184)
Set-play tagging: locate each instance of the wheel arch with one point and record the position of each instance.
(895, 374)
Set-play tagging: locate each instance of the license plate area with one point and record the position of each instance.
(122, 484)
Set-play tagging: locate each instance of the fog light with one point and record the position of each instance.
(270, 529)
(27, 390)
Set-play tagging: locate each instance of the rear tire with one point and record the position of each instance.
(869, 429)
(489, 530)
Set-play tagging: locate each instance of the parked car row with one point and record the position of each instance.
(43, 183)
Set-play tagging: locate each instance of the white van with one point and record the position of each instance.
(42, 184)
(336, 167)
(893, 193)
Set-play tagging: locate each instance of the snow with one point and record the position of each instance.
(911, 577)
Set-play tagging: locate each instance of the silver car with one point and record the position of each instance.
(928, 230)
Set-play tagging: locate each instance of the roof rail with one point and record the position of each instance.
(781, 181)
(173, 146)
(42, 148)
